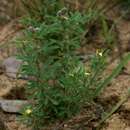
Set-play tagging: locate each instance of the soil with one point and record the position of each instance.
(15, 89)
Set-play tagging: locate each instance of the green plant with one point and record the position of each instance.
(60, 84)
(48, 51)
(108, 34)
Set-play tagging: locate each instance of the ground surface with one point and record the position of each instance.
(111, 95)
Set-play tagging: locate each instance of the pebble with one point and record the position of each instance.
(12, 66)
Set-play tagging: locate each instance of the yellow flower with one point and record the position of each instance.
(28, 111)
(71, 75)
(99, 53)
(87, 74)
(64, 17)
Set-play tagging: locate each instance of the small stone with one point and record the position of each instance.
(12, 66)
(65, 125)
(12, 106)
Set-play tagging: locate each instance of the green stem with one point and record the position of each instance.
(115, 108)
(115, 73)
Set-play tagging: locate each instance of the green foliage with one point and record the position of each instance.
(49, 56)
(114, 73)
(38, 8)
(108, 33)
(60, 84)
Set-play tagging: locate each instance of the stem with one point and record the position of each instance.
(115, 73)
(115, 108)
